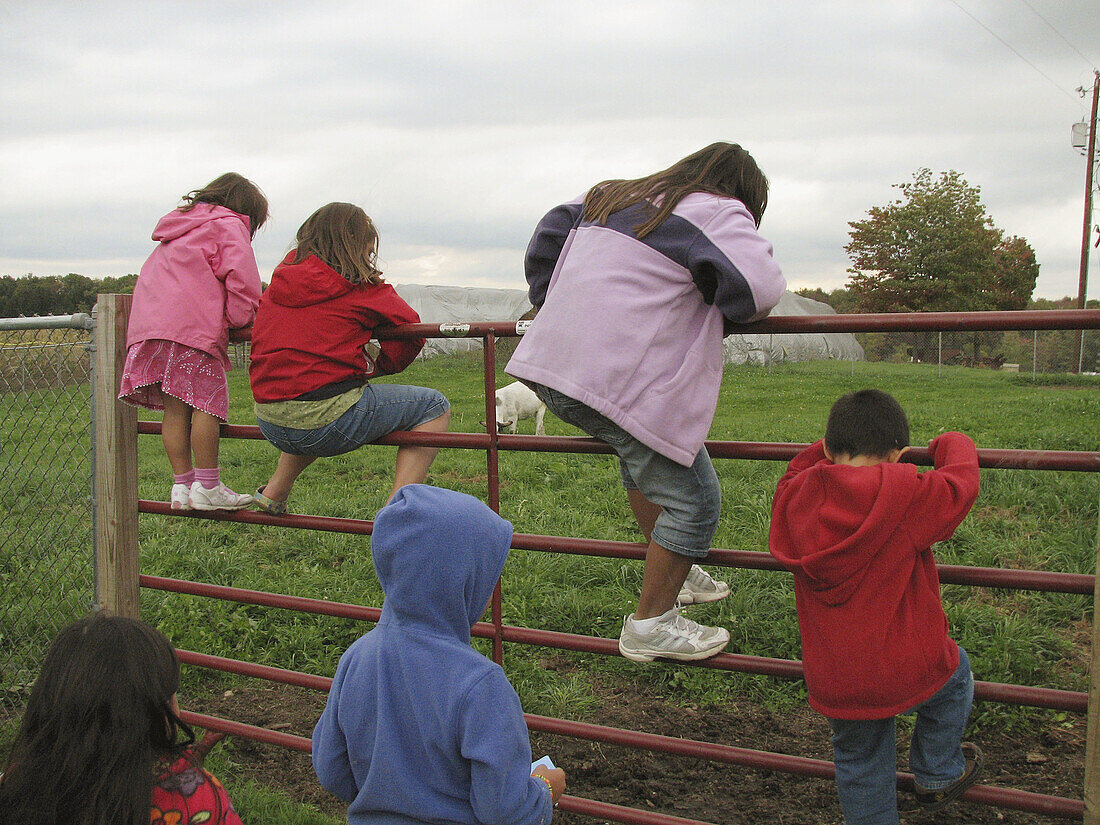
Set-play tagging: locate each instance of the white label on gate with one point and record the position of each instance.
(454, 330)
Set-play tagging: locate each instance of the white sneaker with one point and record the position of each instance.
(673, 637)
(181, 497)
(700, 587)
(217, 498)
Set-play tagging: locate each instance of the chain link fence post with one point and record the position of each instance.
(46, 534)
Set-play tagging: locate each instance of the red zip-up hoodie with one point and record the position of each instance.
(858, 539)
(311, 326)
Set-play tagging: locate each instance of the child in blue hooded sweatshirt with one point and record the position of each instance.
(419, 727)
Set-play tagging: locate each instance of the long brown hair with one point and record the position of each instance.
(98, 716)
(234, 192)
(344, 237)
(721, 169)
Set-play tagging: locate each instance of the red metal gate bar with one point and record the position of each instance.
(745, 757)
(1051, 698)
(492, 476)
(854, 322)
(617, 813)
(986, 794)
(1040, 697)
(993, 459)
(573, 804)
(1052, 582)
(257, 734)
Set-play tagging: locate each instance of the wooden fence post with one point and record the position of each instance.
(116, 541)
(1092, 736)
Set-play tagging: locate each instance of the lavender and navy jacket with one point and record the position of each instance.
(633, 327)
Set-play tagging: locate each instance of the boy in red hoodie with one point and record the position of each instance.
(856, 528)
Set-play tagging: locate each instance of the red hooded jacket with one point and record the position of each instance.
(858, 540)
(312, 325)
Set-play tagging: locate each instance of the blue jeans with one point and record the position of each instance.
(689, 497)
(383, 409)
(865, 751)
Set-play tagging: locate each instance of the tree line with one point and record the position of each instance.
(56, 295)
(934, 248)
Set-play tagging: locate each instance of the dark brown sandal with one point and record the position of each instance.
(933, 801)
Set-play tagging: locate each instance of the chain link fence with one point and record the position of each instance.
(1033, 353)
(47, 542)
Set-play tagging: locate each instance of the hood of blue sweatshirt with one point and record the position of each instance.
(178, 223)
(438, 555)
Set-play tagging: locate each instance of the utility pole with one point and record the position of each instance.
(1086, 231)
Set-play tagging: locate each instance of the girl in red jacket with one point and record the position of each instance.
(200, 284)
(102, 743)
(311, 364)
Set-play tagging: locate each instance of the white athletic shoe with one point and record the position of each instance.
(673, 637)
(181, 497)
(700, 586)
(217, 498)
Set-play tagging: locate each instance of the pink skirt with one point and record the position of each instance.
(155, 367)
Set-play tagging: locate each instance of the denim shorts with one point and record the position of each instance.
(383, 409)
(689, 497)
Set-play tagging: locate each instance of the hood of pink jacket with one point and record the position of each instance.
(176, 224)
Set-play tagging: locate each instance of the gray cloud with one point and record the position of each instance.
(458, 125)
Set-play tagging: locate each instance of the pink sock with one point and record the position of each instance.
(208, 477)
(184, 478)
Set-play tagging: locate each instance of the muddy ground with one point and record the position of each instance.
(1050, 763)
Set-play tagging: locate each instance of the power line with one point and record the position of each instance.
(1009, 46)
(1091, 65)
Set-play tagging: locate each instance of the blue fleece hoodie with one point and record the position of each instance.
(420, 727)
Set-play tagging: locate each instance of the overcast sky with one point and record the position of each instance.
(456, 125)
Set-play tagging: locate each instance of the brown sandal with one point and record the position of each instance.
(933, 801)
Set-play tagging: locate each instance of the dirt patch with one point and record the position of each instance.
(1052, 762)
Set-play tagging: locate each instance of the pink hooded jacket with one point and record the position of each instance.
(200, 282)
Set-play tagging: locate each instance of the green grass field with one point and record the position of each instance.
(1023, 519)
(1028, 519)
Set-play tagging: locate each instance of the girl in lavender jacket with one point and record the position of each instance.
(200, 285)
(637, 282)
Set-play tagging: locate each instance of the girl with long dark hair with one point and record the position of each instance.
(102, 743)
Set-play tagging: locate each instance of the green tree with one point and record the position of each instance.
(51, 295)
(936, 249)
(839, 299)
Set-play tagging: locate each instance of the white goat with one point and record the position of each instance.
(516, 402)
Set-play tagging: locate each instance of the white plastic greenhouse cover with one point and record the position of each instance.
(456, 304)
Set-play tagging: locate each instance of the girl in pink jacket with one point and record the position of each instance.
(199, 286)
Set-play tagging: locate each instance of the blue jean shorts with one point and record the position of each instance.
(383, 409)
(689, 497)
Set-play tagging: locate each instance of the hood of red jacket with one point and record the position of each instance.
(305, 283)
(836, 517)
(178, 223)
